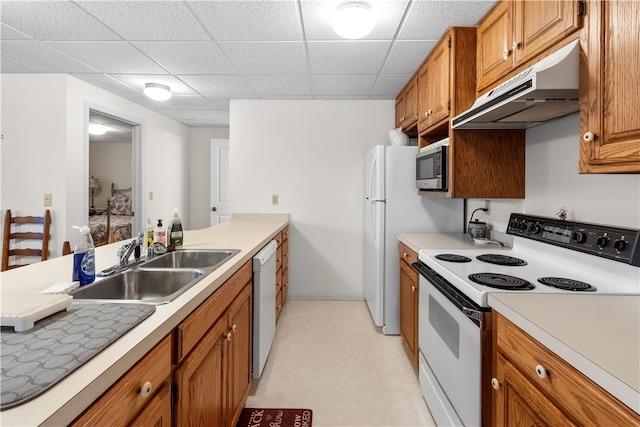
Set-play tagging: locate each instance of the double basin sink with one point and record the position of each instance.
(159, 280)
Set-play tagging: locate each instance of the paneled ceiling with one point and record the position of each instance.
(209, 52)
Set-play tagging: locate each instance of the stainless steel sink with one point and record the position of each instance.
(154, 286)
(191, 258)
(158, 281)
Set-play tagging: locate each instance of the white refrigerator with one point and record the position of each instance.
(392, 205)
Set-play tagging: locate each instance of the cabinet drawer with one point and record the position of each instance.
(407, 254)
(285, 254)
(278, 304)
(278, 238)
(119, 405)
(279, 257)
(193, 328)
(581, 398)
(285, 233)
(279, 278)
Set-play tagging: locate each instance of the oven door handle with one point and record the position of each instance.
(471, 313)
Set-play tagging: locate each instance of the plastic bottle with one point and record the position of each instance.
(160, 233)
(148, 235)
(84, 262)
(175, 235)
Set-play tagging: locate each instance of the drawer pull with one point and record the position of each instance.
(228, 338)
(234, 328)
(145, 390)
(413, 289)
(542, 373)
(588, 137)
(495, 383)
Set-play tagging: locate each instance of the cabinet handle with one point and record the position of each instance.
(145, 390)
(495, 383)
(234, 328)
(542, 373)
(228, 338)
(404, 254)
(588, 137)
(515, 45)
(413, 289)
(505, 54)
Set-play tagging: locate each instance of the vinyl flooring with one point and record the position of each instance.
(329, 357)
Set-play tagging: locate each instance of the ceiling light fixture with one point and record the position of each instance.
(97, 129)
(353, 20)
(157, 92)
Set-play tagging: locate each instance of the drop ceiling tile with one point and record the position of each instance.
(317, 17)
(218, 86)
(407, 55)
(283, 85)
(188, 57)
(248, 20)
(266, 57)
(53, 20)
(347, 57)
(110, 57)
(344, 85)
(212, 118)
(390, 85)
(8, 33)
(166, 20)
(184, 102)
(108, 83)
(430, 19)
(40, 58)
(8, 67)
(137, 81)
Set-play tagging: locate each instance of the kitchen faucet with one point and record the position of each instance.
(125, 251)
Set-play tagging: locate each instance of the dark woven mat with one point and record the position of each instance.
(275, 417)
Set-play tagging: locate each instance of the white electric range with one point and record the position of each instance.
(548, 255)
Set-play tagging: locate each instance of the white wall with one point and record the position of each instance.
(311, 154)
(45, 116)
(107, 162)
(200, 173)
(553, 182)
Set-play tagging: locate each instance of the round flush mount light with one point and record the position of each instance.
(353, 20)
(157, 92)
(97, 129)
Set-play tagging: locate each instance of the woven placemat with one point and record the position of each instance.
(35, 360)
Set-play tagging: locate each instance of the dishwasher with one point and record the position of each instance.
(264, 305)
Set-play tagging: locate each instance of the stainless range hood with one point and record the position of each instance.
(542, 92)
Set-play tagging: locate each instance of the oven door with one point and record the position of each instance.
(451, 359)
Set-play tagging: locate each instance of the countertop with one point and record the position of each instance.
(65, 401)
(597, 334)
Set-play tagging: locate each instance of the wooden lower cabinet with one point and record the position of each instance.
(157, 413)
(409, 289)
(533, 386)
(282, 270)
(213, 380)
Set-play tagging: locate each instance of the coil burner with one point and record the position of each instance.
(502, 260)
(453, 258)
(567, 284)
(501, 281)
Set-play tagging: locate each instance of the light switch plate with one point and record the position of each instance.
(274, 199)
(48, 198)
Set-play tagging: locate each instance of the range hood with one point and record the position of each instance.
(545, 91)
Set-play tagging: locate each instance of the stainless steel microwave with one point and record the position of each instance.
(432, 166)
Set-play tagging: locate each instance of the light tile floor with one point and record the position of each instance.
(329, 357)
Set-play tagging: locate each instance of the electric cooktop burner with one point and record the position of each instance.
(502, 260)
(453, 258)
(501, 281)
(567, 284)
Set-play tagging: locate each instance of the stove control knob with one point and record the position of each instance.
(579, 236)
(602, 242)
(537, 229)
(620, 245)
(522, 226)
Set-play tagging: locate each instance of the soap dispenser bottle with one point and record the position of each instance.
(175, 235)
(160, 233)
(84, 263)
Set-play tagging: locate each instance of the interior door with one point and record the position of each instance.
(220, 201)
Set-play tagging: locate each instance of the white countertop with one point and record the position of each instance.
(62, 403)
(598, 334)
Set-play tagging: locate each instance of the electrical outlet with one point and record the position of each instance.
(48, 198)
(274, 199)
(150, 195)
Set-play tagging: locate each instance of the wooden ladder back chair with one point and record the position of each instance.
(13, 242)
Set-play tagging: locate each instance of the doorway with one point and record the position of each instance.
(220, 201)
(114, 170)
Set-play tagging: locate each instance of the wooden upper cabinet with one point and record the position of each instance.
(407, 105)
(435, 87)
(515, 33)
(609, 81)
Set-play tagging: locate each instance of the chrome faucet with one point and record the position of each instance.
(125, 251)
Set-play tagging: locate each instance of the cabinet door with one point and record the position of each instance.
(439, 82)
(410, 110)
(541, 24)
(400, 109)
(519, 403)
(239, 358)
(423, 96)
(495, 37)
(200, 382)
(409, 311)
(610, 125)
(157, 413)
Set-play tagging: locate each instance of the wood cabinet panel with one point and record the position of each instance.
(409, 312)
(158, 412)
(580, 399)
(407, 105)
(119, 405)
(610, 123)
(495, 38)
